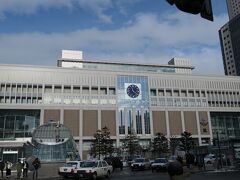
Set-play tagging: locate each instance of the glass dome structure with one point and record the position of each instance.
(53, 142)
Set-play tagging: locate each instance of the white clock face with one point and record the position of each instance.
(133, 91)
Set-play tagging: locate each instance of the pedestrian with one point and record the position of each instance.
(8, 169)
(19, 168)
(175, 171)
(36, 164)
(25, 168)
(2, 166)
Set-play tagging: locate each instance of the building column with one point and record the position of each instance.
(210, 128)
(80, 133)
(198, 129)
(183, 122)
(167, 124)
(61, 116)
(142, 120)
(117, 128)
(99, 120)
(126, 120)
(134, 120)
(41, 116)
(151, 122)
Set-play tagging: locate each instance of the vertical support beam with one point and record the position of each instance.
(99, 120)
(61, 116)
(167, 123)
(198, 129)
(126, 120)
(151, 122)
(134, 120)
(183, 122)
(117, 128)
(142, 120)
(42, 116)
(210, 128)
(80, 133)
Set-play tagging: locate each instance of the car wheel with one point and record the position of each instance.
(108, 174)
(94, 176)
(152, 170)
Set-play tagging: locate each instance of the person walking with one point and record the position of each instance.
(19, 168)
(25, 169)
(36, 164)
(2, 166)
(8, 169)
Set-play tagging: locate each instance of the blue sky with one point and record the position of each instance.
(141, 31)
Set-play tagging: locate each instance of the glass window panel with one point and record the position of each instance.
(9, 123)
(139, 122)
(121, 122)
(147, 122)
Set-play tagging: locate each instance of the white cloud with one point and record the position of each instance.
(28, 7)
(146, 40)
(98, 7)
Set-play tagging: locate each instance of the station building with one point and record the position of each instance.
(89, 95)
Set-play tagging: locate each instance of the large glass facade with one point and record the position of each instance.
(18, 123)
(53, 142)
(128, 67)
(225, 124)
(131, 108)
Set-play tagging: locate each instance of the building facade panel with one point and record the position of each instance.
(51, 115)
(90, 122)
(108, 118)
(190, 121)
(175, 122)
(159, 122)
(71, 120)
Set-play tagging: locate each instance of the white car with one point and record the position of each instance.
(94, 169)
(159, 164)
(209, 159)
(141, 164)
(70, 169)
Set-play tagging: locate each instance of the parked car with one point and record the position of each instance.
(209, 159)
(116, 162)
(94, 169)
(172, 158)
(69, 169)
(159, 164)
(141, 164)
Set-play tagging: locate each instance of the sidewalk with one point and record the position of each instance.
(46, 171)
(209, 169)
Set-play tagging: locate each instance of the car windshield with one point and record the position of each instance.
(160, 161)
(139, 160)
(89, 164)
(71, 164)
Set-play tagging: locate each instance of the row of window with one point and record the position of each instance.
(70, 100)
(211, 95)
(177, 93)
(178, 102)
(39, 89)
